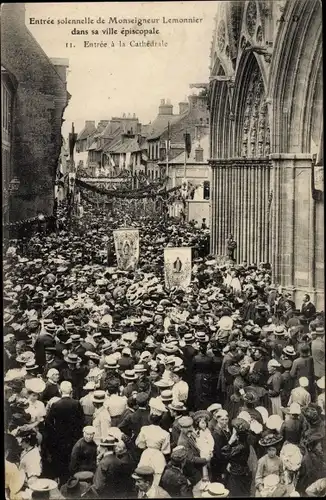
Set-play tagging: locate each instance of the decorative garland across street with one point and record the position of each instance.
(126, 194)
(26, 221)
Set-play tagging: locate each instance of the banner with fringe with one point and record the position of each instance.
(126, 242)
(177, 267)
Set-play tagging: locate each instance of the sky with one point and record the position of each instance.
(109, 81)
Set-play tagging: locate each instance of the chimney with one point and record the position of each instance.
(165, 108)
(183, 107)
(90, 123)
(198, 102)
(199, 154)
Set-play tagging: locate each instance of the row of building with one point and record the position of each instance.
(154, 150)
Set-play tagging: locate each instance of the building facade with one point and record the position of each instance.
(266, 128)
(34, 96)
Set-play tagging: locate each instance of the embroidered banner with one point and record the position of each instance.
(177, 267)
(126, 242)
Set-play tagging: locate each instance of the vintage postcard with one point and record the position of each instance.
(163, 249)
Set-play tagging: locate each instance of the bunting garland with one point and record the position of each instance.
(126, 194)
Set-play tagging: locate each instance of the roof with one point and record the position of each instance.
(127, 146)
(204, 143)
(87, 131)
(160, 124)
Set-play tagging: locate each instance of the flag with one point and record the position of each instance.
(128, 156)
(187, 138)
(168, 141)
(144, 158)
(177, 267)
(126, 242)
(111, 160)
(72, 142)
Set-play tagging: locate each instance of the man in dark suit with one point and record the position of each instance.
(173, 479)
(194, 463)
(308, 310)
(108, 478)
(64, 426)
(44, 340)
(132, 424)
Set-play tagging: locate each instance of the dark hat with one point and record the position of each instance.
(143, 472)
(49, 349)
(234, 370)
(270, 440)
(200, 415)
(73, 488)
(142, 398)
(287, 364)
(179, 454)
(240, 425)
(250, 396)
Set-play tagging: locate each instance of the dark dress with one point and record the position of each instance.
(219, 461)
(203, 375)
(239, 476)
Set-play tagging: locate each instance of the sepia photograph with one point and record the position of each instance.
(163, 249)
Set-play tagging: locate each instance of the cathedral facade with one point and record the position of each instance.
(266, 139)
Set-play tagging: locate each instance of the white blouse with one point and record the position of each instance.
(153, 436)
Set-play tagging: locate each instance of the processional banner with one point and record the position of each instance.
(126, 242)
(177, 267)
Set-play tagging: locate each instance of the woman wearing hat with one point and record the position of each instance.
(74, 374)
(154, 440)
(303, 366)
(35, 387)
(269, 463)
(221, 435)
(291, 457)
(204, 438)
(237, 452)
(315, 425)
(313, 465)
(30, 459)
(274, 387)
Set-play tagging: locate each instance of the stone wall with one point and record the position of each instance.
(41, 98)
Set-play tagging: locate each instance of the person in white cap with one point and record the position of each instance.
(52, 388)
(101, 416)
(180, 390)
(84, 453)
(154, 441)
(87, 402)
(300, 394)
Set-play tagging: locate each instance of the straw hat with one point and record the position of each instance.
(215, 490)
(36, 385)
(43, 485)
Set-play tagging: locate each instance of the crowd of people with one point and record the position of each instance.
(116, 387)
